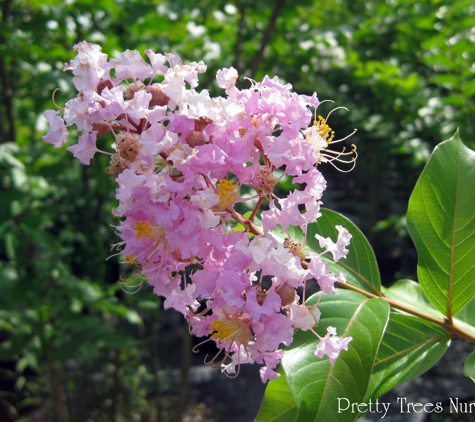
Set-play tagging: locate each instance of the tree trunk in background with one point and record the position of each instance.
(59, 396)
(267, 36)
(7, 121)
(186, 346)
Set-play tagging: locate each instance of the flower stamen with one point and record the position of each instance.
(320, 135)
(227, 192)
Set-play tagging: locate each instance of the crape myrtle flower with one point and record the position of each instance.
(182, 161)
(331, 345)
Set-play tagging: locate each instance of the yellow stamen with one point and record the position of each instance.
(323, 129)
(231, 329)
(131, 259)
(226, 191)
(143, 229)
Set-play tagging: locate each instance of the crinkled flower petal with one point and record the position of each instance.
(58, 134)
(331, 345)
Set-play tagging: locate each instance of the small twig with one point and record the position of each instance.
(256, 208)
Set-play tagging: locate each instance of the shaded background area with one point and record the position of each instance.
(73, 345)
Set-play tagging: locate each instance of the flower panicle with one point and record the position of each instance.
(196, 183)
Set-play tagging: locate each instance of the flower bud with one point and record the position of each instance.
(132, 89)
(201, 123)
(158, 97)
(261, 294)
(286, 293)
(195, 138)
(103, 84)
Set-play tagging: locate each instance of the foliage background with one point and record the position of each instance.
(73, 345)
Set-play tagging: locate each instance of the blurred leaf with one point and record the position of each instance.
(448, 80)
(7, 150)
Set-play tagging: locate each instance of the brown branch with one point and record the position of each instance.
(278, 6)
(256, 208)
(445, 323)
(252, 228)
(185, 366)
(58, 393)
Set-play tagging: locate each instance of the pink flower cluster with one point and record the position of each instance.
(185, 163)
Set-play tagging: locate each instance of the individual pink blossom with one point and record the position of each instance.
(131, 65)
(58, 134)
(331, 345)
(320, 271)
(157, 61)
(315, 182)
(338, 249)
(89, 66)
(270, 304)
(86, 148)
(289, 213)
(227, 78)
(271, 361)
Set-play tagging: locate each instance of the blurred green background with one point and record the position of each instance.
(73, 346)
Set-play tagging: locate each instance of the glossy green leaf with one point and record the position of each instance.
(467, 314)
(410, 293)
(441, 221)
(278, 404)
(410, 346)
(469, 367)
(315, 384)
(360, 265)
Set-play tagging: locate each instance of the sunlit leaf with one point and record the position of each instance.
(441, 221)
(278, 404)
(316, 384)
(410, 346)
(469, 367)
(360, 264)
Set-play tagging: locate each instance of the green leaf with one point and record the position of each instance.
(360, 265)
(469, 367)
(6, 155)
(278, 404)
(467, 314)
(316, 385)
(129, 314)
(409, 292)
(441, 222)
(447, 80)
(410, 346)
